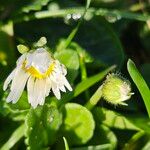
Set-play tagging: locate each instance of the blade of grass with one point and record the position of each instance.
(85, 84)
(15, 137)
(95, 147)
(140, 83)
(134, 140)
(66, 144)
(91, 12)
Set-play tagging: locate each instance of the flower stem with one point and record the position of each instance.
(83, 69)
(84, 74)
(94, 99)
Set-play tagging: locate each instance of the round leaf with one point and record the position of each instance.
(70, 59)
(78, 125)
(42, 125)
(100, 40)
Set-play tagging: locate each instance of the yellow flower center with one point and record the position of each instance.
(36, 73)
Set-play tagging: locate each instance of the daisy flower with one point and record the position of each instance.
(42, 74)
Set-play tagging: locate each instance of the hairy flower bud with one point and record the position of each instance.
(116, 89)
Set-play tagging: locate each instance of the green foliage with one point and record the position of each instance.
(140, 83)
(71, 60)
(105, 47)
(15, 137)
(22, 48)
(78, 124)
(34, 5)
(97, 147)
(91, 81)
(91, 39)
(66, 144)
(41, 126)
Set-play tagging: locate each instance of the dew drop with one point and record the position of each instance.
(112, 19)
(76, 16)
(31, 128)
(71, 18)
(51, 119)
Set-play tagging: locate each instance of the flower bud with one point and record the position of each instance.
(116, 89)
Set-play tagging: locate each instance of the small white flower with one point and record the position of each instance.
(41, 73)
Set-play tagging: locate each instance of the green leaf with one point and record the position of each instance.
(136, 122)
(140, 121)
(113, 119)
(34, 5)
(137, 141)
(7, 58)
(66, 144)
(146, 146)
(74, 46)
(145, 36)
(117, 14)
(144, 68)
(15, 137)
(78, 125)
(140, 83)
(17, 111)
(96, 147)
(94, 99)
(103, 135)
(101, 41)
(70, 59)
(42, 125)
(41, 42)
(22, 48)
(82, 86)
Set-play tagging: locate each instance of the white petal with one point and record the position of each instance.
(30, 88)
(29, 59)
(52, 77)
(8, 80)
(55, 90)
(62, 88)
(64, 70)
(21, 59)
(66, 83)
(42, 91)
(35, 94)
(17, 86)
(48, 86)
